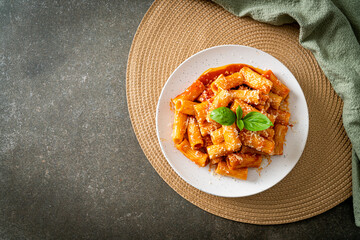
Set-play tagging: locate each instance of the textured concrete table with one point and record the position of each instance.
(70, 164)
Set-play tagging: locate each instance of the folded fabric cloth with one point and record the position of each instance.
(331, 31)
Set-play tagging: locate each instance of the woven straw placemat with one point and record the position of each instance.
(172, 31)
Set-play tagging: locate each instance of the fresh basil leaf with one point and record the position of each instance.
(255, 121)
(239, 112)
(255, 126)
(240, 124)
(223, 115)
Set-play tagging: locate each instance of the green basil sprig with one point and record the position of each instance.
(253, 121)
(223, 115)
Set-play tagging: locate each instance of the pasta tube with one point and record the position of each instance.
(216, 160)
(192, 92)
(185, 106)
(275, 100)
(255, 80)
(217, 150)
(248, 96)
(207, 127)
(194, 135)
(282, 117)
(231, 138)
(224, 83)
(221, 100)
(201, 111)
(246, 149)
(253, 140)
(278, 87)
(201, 114)
(217, 136)
(241, 160)
(267, 133)
(196, 156)
(280, 133)
(246, 108)
(223, 169)
(211, 74)
(179, 127)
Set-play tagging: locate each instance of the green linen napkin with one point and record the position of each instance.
(331, 31)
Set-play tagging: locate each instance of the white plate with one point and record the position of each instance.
(202, 178)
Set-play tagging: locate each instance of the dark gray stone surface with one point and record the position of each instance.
(70, 164)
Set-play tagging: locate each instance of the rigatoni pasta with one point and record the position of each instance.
(278, 87)
(248, 96)
(196, 156)
(192, 92)
(217, 136)
(242, 160)
(231, 138)
(223, 169)
(222, 99)
(255, 80)
(217, 150)
(280, 133)
(185, 106)
(194, 135)
(231, 147)
(275, 100)
(179, 127)
(253, 140)
(224, 83)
